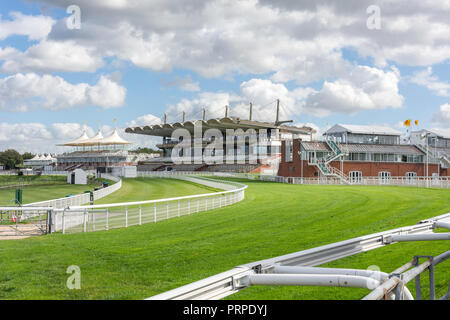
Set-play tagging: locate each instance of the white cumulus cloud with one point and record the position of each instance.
(34, 27)
(21, 92)
(426, 79)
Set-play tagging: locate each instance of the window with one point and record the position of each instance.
(288, 150)
(311, 157)
(384, 177)
(411, 176)
(355, 176)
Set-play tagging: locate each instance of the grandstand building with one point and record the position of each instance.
(438, 145)
(40, 162)
(96, 152)
(253, 146)
(352, 152)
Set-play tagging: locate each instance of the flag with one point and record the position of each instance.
(407, 123)
(416, 122)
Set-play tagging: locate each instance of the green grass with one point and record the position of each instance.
(14, 181)
(274, 219)
(143, 189)
(153, 188)
(38, 192)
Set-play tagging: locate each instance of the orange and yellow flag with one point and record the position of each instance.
(407, 123)
(416, 122)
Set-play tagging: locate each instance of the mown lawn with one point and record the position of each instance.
(153, 188)
(44, 191)
(274, 219)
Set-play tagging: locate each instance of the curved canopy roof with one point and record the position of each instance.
(222, 124)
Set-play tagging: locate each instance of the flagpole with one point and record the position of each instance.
(426, 137)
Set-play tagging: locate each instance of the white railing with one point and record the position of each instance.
(80, 199)
(54, 173)
(19, 222)
(118, 215)
(229, 282)
(423, 182)
(103, 192)
(168, 174)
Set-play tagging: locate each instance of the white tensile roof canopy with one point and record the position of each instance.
(98, 139)
(114, 138)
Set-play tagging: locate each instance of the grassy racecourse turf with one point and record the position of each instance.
(143, 189)
(41, 192)
(138, 189)
(274, 219)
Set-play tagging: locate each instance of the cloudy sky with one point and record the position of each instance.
(353, 62)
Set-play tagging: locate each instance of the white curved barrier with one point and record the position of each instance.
(79, 199)
(118, 215)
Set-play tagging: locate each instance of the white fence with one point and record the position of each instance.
(20, 222)
(119, 215)
(422, 182)
(80, 199)
(236, 279)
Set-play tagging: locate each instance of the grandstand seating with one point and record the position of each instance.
(231, 167)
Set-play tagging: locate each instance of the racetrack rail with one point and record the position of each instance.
(234, 280)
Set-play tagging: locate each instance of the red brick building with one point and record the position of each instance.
(354, 152)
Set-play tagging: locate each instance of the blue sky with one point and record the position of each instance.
(135, 62)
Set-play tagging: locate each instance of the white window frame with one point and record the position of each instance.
(289, 150)
(355, 176)
(384, 177)
(411, 176)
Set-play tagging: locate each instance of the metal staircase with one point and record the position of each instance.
(434, 157)
(445, 162)
(425, 150)
(328, 170)
(337, 152)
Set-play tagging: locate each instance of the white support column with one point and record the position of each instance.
(63, 221)
(84, 220)
(140, 214)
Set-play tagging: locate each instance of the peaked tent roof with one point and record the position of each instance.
(77, 142)
(114, 138)
(98, 139)
(94, 140)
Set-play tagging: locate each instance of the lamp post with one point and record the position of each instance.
(426, 140)
(425, 136)
(436, 156)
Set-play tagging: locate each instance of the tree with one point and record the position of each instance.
(27, 155)
(145, 150)
(10, 158)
